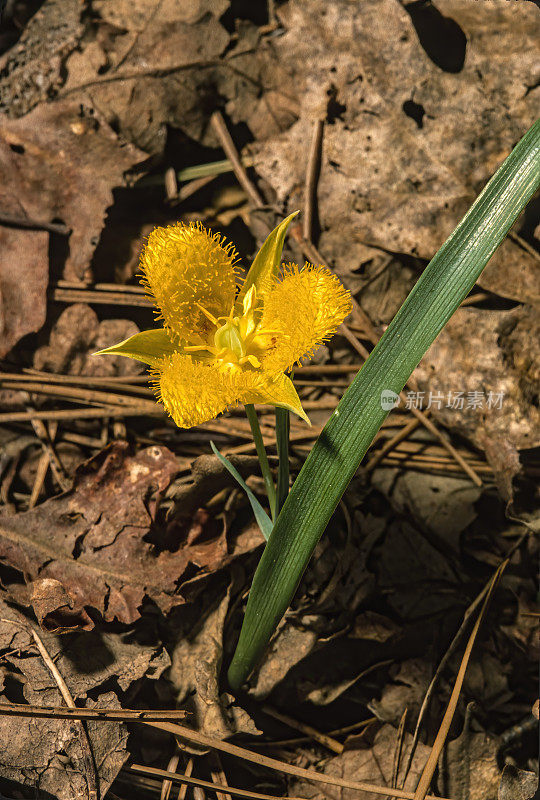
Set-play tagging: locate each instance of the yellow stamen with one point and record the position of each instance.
(207, 314)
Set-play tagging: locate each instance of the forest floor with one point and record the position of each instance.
(126, 550)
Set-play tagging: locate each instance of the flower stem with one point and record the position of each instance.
(283, 427)
(263, 458)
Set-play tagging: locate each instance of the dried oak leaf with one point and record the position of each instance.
(487, 351)
(469, 767)
(76, 334)
(91, 539)
(373, 765)
(31, 70)
(409, 142)
(62, 163)
(517, 784)
(196, 665)
(405, 691)
(87, 661)
(24, 275)
(46, 754)
(142, 77)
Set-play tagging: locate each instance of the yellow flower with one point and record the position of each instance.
(218, 346)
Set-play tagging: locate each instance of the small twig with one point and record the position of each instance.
(81, 395)
(124, 288)
(399, 748)
(519, 240)
(400, 436)
(416, 462)
(190, 781)
(199, 738)
(190, 189)
(127, 383)
(92, 777)
(386, 263)
(365, 723)
(428, 424)
(229, 148)
(433, 758)
(41, 474)
(471, 299)
(218, 775)
(465, 754)
(166, 786)
(184, 787)
(97, 297)
(312, 177)
(46, 437)
(454, 645)
(328, 369)
(322, 738)
(143, 72)
(97, 714)
(82, 413)
(10, 220)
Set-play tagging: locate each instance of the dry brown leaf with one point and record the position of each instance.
(32, 69)
(517, 784)
(468, 767)
(409, 142)
(289, 645)
(487, 351)
(24, 275)
(196, 666)
(442, 504)
(405, 692)
(155, 46)
(374, 765)
(64, 163)
(46, 754)
(77, 334)
(91, 539)
(196, 662)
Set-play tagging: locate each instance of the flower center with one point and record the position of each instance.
(228, 340)
(238, 341)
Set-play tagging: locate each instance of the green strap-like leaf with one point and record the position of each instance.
(268, 259)
(444, 284)
(146, 346)
(263, 520)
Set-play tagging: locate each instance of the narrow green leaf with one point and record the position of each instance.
(444, 284)
(263, 520)
(146, 346)
(268, 259)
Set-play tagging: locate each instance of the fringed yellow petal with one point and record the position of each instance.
(192, 391)
(274, 389)
(185, 265)
(306, 306)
